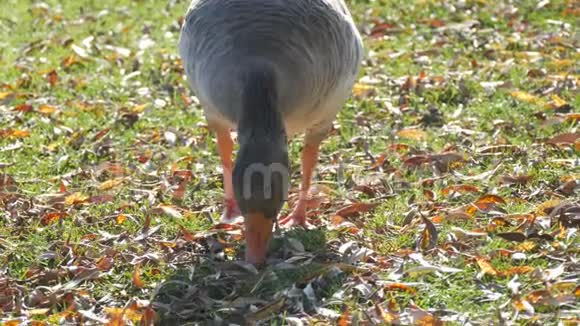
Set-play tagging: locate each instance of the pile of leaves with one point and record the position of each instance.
(446, 193)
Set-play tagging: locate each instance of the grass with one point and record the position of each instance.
(94, 160)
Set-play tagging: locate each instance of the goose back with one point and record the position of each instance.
(312, 46)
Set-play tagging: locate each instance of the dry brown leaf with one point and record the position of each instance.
(267, 311)
(52, 78)
(498, 149)
(564, 139)
(514, 180)
(356, 208)
(429, 236)
(513, 236)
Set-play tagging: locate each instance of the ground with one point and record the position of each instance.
(446, 193)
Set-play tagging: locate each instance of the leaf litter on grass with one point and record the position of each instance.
(449, 194)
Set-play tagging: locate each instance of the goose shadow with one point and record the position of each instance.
(303, 269)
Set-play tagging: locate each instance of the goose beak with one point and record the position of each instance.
(258, 234)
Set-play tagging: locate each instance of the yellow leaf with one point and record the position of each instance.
(75, 199)
(47, 109)
(558, 101)
(560, 64)
(412, 133)
(526, 97)
(110, 184)
(361, 89)
(5, 95)
(525, 246)
(139, 108)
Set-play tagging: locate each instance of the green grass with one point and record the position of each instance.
(101, 131)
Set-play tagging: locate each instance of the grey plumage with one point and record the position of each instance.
(312, 46)
(270, 69)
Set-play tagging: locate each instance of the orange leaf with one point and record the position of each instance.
(379, 162)
(519, 270)
(400, 287)
(344, 319)
(13, 133)
(188, 236)
(116, 316)
(148, 318)
(52, 217)
(485, 266)
(47, 109)
(70, 60)
(105, 263)
(121, 219)
(490, 199)
(460, 189)
(137, 281)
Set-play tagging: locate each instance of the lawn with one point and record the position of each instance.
(447, 193)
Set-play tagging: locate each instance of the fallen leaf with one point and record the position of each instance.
(459, 189)
(514, 180)
(76, 199)
(429, 236)
(110, 184)
(513, 236)
(52, 78)
(485, 266)
(526, 97)
(400, 287)
(412, 133)
(345, 318)
(47, 109)
(361, 90)
(137, 281)
(564, 139)
(356, 208)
